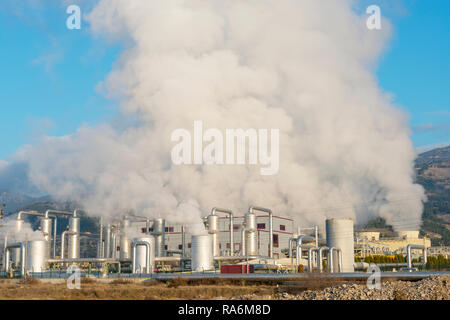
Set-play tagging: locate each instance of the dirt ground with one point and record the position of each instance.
(205, 289)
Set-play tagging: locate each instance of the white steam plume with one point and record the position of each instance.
(304, 67)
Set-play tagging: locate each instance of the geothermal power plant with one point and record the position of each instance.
(258, 242)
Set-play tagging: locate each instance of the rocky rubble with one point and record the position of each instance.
(433, 288)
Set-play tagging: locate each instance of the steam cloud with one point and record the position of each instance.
(305, 67)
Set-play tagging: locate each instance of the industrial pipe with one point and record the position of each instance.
(22, 248)
(331, 259)
(114, 245)
(311, 252)
(183, 241)
(135, 244)
(408, 254)
(4, 249)
(107, 241)
(54, 215)
(299, 243)
(63, 242)
(44, 226)
(251, 210)
(298, 252)
(100, 242)
(230, 213)
(243, 243)
(291, 249)
(321, 249)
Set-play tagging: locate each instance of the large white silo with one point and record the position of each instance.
(340, 236)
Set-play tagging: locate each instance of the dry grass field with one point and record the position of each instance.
(122, 289)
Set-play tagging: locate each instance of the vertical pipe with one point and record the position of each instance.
(319, 258)
(310, 259)
(73, 249)
(4, 251)
(291, 250)
(183, 241)
(6, 265)
(331, 259)
(243, 244)
(271, 234)
(100, 244)
(107, 240)
(230, 214)
(23, 259)
(63, 235)
(113, 246)
(316, 232)
(231, 235)
(251, 210)
(54, 236)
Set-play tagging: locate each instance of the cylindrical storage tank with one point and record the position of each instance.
(125, 243)
(340, 236)
(125, 247)
(159, 228)
(15, 252)
(251, 241)
(37, 255)
(46, 228)
(107, 244)
(213, 230)
(73, 251)
(19, 225)
(140, 258)
(202, 253)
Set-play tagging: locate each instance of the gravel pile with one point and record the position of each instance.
(433, 288)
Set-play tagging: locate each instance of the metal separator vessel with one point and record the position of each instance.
(202, 253)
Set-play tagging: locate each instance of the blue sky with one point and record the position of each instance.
(50, 73)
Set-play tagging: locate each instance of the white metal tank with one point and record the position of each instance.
(251, 241)
(73, 251)
(159, 228)
(15, 252)
(140, 259)
(46, 228)
(340, 236)
(213, 230)
(202, 253)
(125, 242)
(37, 255)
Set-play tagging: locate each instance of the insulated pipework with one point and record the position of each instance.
(250, 243)
(159, 229)
(54, 215)
(125, 242)
(107, 241)
(214, 228)
(252, 209)
(73, 251)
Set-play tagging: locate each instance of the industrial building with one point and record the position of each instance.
(370, 243)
